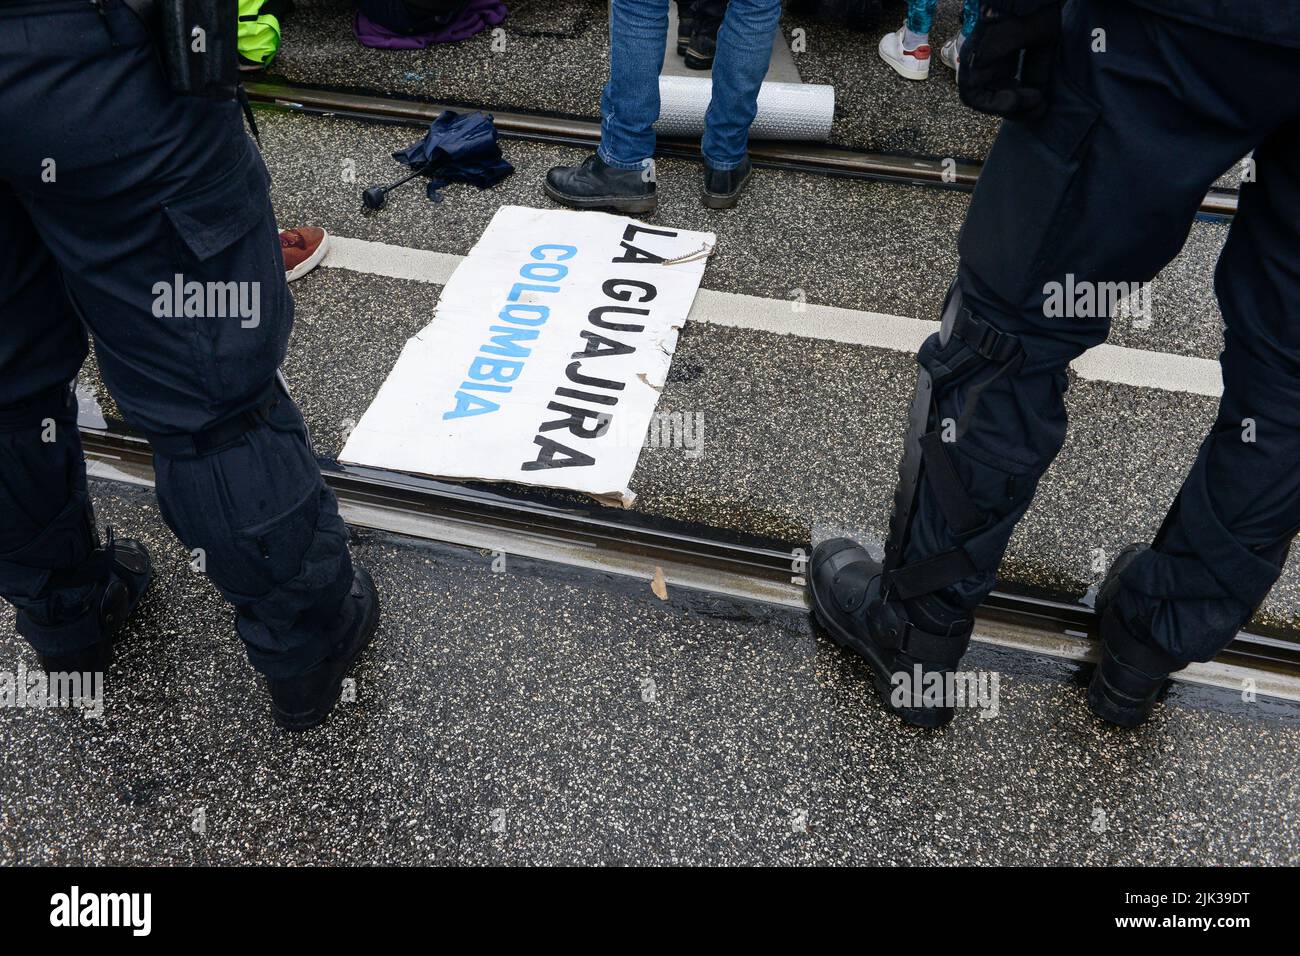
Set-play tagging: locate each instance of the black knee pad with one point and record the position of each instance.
(258, 518)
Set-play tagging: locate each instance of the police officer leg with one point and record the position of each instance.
(161, 220)
(70, 591)
(1062, 200)
(1226, 537)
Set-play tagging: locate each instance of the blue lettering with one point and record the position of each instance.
(569, 251)
(506, 342)
(467, 405)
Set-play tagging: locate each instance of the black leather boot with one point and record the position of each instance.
(130, 573)
(685, 20)
(898, 640)
(304, 701)
(596, 185)
(705, 23)
(722, 187)
(1132, 672)
(912, 609)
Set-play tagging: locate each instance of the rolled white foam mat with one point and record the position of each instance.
(793, 111)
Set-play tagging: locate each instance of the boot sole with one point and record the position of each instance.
(929, 718)
(313, 718)
(713, 201)
(1103, 699)
(637, 204)
(694, 61)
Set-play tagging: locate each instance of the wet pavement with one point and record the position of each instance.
(542, 714)
(839, 242)
(876, 110)
(801, 437)
(546, 715)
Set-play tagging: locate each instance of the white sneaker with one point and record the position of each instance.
(912, 64)
(950, 53)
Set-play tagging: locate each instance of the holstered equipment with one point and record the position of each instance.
(198, 45)
(197, 42)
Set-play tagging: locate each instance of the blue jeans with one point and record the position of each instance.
(629, 106)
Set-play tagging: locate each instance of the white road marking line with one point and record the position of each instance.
(1106, 363)
(396, 262)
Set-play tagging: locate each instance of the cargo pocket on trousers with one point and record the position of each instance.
(209, 220)
(274, 548)
(226, 241)
(1020, 198)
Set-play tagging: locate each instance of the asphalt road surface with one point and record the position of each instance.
(545, 715)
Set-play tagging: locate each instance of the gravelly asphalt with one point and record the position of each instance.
(543, 715)
(859, 245)
(800, 434)
(553, 57)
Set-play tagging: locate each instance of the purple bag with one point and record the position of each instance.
(389, 24)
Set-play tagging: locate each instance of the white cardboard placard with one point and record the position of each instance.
(545, 357)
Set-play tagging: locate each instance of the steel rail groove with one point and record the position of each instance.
(709, 551)
(817, 158)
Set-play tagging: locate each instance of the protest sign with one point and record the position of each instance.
(545, 357)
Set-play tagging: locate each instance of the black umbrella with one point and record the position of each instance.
(459, 148)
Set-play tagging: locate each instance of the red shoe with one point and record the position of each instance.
(303, 250)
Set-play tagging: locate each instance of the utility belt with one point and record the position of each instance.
(197, 41)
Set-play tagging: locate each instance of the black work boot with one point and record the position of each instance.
(1132, 672)
(304, 701)
(703, 44)
(685, 21)
(722, 187)
(596, 185)
(898, 640)
(130, 573)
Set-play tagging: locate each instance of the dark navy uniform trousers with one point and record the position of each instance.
(1105, 187)
(112, 188)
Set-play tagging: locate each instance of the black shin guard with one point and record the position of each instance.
(970, 353)
(904, 617)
